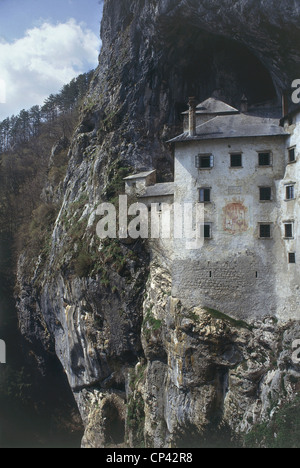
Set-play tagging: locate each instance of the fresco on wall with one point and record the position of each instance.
(235, 218)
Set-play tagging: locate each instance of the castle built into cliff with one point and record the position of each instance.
(244, 168)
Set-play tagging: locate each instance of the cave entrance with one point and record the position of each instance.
(114, 432)
(216, 435)
(198, 63)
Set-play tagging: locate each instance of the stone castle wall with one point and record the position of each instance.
(236, 271)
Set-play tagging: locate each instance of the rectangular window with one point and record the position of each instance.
(288, 231)
(264, 159)
(204, 195)
(290, 192)
(292, 155)
(236, 160)
(265, 194)
(265, 231)
(204, 162)
(206, 231)
(292, 257)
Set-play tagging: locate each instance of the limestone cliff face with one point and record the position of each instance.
(142, 368)
(208, 377)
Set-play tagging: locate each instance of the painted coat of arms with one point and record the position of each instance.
(235, 218)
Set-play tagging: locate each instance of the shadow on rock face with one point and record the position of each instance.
(199, 63)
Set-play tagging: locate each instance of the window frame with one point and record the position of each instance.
(199, 157)
(270, 158)
(264, 187)
(292, 255)
(235, 155)
(287, 187)
(204, 189)
(292, 148)
(260, 225)
(202, 227)
(289, 223)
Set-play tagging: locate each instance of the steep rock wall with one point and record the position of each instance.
(133, 356)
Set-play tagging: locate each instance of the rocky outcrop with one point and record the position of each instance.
(208, 378)
(143, 369)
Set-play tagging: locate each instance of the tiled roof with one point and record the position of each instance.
(234, 126)
(159, 190)
(141, 175)
(214, 106)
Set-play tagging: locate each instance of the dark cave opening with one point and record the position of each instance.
(201, 64)
(214, 437)
(114, 433)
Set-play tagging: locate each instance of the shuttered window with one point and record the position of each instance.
(204, 195)
(204, 161)
(290, 192)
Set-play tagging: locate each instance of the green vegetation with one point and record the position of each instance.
(30, 124)
(137, 377)
(89, 257)
(115, 185)
(111, 257)
(136, 419)
(89, 105)
(220, 316)
(83, 264)
(58, 168)
(35, 236)
(26, 143)
(192, 316)
(83, 252)
(34, 152)
(150, 323)
(135, 408)
(283, 431)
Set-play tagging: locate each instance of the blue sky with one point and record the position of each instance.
(43, 45)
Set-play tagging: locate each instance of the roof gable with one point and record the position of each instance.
(234, 126)
(140, 175)
(215, 106)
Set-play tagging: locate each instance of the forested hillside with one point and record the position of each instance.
(26, 141)
(34, 149)
(28, 124)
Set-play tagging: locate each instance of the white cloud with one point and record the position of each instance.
(44, 60)
(2, 91)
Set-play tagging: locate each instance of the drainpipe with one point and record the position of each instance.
(192, 116)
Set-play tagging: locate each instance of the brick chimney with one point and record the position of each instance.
(285, 104)
(192, 116)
